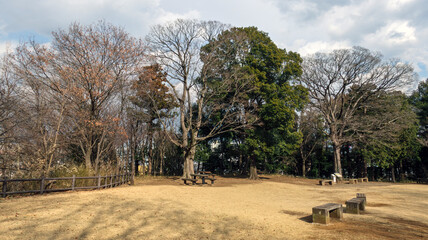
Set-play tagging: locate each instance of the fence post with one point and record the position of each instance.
(4, 187)
(105, 181)
(42, 184)
(111, 181)
(99, 181)
(73, 182)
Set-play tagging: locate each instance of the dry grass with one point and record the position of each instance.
(276, 207)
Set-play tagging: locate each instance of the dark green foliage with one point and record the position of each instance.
(274, 100)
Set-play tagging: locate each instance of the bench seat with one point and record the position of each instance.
(211, 179)
(353, 181)
(363, 179)
(321, 214)
(324, 182)
(355, 205)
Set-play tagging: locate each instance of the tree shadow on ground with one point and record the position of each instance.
(115, 217)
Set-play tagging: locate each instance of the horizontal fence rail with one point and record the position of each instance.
(45, 184)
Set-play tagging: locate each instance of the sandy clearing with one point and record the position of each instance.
(274, 208)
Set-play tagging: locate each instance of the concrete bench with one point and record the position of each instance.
(363, 196)
(355, 205)
(353, 181)
(324, 182)
(321, 214)
(189, 179)
(363, 179)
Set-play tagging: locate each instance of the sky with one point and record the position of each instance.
(395, 28)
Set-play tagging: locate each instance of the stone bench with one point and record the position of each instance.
(322, 214)
(355, 205)
(363, 179)
(189, 179)
(323, 182)
(363, 196)
(353, 181)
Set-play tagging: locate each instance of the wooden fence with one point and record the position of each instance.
(102, 182)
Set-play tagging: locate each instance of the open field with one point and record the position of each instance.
(276, 207)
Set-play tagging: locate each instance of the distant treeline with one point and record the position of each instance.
(204, 95)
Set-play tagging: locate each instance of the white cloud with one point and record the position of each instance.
(397, 28)
(397, 4)
(394, 33)
(170, 16)
(7, 47)
(320, 46)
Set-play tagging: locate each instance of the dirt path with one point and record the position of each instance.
(273, 208)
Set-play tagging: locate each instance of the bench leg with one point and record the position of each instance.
(352, 207)
(337, 213)
(320, 216)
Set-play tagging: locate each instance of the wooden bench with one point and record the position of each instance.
(363, 179)
(212, 179)
(323, 182)
(322, 214)
(193, 180)
(204, 177)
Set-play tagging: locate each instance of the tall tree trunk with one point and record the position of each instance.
(303, 166)
(253, 169)
(161, 161)
(188, 165)
(134, 170)
(402, 175)
(337, 163)
(393, 173)
(240, 163)
(150, 154)
(365, 167)
(88, 155)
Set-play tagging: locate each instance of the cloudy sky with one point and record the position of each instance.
(396, 28)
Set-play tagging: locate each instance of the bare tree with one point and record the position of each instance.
(85, 70)
(311, 126)
(329, 78)
(177, 48)
(9, 114)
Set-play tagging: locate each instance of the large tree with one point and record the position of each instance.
(176, 47)
(381, 130)
(273, 100)
(85, 71)
(152, 100)
(330, 76)
(419, 99)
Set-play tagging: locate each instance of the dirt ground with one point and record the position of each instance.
(275, 207)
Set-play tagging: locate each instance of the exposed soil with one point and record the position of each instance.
(274, 207)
